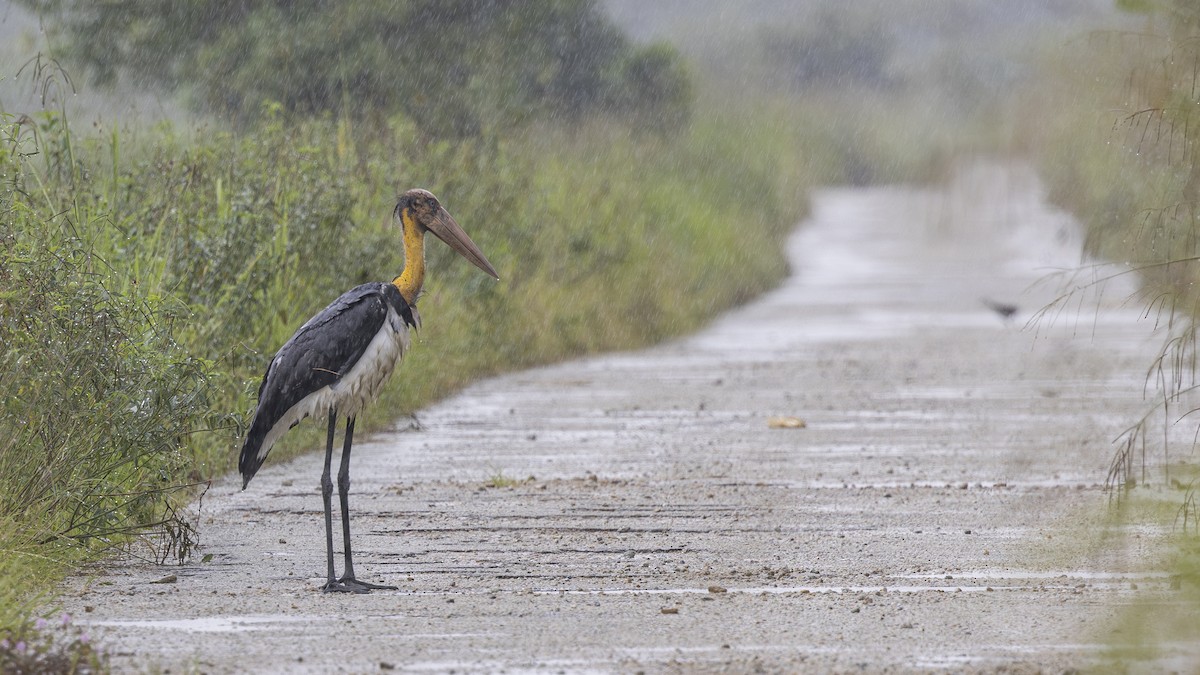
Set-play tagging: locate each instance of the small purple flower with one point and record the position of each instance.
(20, 649)
(84, 638)
(40, 624)
(66, 619)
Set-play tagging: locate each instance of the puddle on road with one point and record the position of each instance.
(1072, 483)
(1055, 574)
(837, 590)
(988, 654)
(213, 624)
(260, 622)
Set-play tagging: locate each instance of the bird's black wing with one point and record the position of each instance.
(318, 355)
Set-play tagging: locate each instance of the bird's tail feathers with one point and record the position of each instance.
(253, 452)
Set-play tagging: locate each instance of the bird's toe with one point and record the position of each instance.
(341, 586)
(366, 586)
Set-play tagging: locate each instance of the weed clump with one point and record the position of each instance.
(46, 646)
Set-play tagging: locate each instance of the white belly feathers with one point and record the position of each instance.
(365, 380)
(356, 388)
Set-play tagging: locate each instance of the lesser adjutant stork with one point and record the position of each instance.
(339, 360)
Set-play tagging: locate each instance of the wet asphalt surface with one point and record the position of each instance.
(867, 469)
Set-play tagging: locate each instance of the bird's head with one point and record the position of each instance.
(420, 209)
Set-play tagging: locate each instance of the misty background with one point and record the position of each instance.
(951, 63)
(185, 183)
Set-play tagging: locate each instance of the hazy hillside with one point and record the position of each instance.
(23, 39)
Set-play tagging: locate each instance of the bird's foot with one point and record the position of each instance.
(352, 585)
(367, 586)
(341, 586)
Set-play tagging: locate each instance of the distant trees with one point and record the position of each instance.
(833, 47)
(455, 67)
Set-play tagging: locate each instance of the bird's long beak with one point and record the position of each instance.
(446, 229)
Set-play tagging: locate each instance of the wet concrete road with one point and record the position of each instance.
(941, 509)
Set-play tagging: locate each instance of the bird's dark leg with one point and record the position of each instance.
(331, 584)
(344, 497)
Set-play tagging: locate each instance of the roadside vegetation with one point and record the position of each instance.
(1115, 128)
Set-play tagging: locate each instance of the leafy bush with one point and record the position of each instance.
(96, 393)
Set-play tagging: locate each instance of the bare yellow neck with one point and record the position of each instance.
(411, 279)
